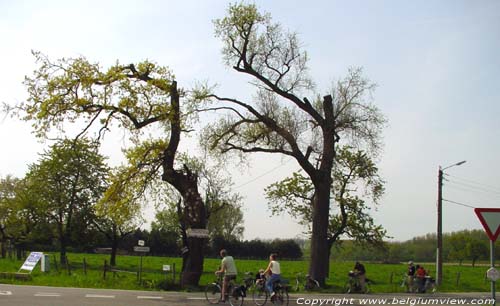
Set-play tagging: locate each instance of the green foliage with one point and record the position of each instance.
(70, 89)
(68, 180)
(354, 178)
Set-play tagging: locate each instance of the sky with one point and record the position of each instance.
(436, 64)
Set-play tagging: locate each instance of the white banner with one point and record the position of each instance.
(31, 261)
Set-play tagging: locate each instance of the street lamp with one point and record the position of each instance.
(439, 250)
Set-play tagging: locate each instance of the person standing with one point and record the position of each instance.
(274, 272)
(228, 268)
(410, 275)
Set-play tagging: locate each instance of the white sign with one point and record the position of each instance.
(140, 243)
(166, 268)
(141, 249)
(30, 262)
(493, 274)
(197, 232)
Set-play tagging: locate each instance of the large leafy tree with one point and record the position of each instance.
(278, 120)
(69, 178)
(142, 99)
(355, 178)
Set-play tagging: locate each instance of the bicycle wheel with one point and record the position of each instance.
(259, 295)
(347, 287)
(311, 284)
(235, 296)
(367, 288)
(213, 293)
(281, 297)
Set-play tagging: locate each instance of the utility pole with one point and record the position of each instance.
(439, 249)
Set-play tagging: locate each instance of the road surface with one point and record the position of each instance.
(13, 295)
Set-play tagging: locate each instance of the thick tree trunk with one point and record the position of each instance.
(319, 240)
(195, 218)
(186, 182)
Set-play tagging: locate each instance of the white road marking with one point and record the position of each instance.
(140, 297)
(47, 294)
(196, 298)
(5, 292)
(99, 296)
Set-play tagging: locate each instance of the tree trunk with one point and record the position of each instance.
(319, 239)
(186, 182)
(195, 218)
(62, 255)
(114, 249)
(3, 249)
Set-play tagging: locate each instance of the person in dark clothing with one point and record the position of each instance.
(360, 272)
(410, 275)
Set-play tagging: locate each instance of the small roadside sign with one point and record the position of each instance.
(141, 249)
(140, 243)
(493, 274)
(197, 232)
(166, 268)
(30, 262)
(490, 219)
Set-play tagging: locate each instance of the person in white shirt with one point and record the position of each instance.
(274, 272)
(228, 267)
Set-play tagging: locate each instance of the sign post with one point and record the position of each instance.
(490, 219)
(141, 249)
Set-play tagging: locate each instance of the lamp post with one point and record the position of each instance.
(439, 250)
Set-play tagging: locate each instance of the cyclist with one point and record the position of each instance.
(274, 272)
(228, 267)
(421, 273)
(360, 273)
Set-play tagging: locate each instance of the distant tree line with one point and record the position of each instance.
(462, 246)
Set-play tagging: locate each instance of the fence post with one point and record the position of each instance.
(68, 266)
(105, 269)
(84, 266)
(391, 277)
(458, 278)
(173, 273)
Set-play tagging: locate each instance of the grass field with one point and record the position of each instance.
(386, 277)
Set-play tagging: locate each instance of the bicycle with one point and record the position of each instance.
(353, 285)
(416, 287)
(260, 295)
(309, 283)
(235, 294)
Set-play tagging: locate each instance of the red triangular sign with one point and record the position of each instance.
(490, 219)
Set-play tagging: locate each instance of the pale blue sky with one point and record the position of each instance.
(436, 64)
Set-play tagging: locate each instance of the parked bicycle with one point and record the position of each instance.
(235, 293)
(308, 283)
(353, 284)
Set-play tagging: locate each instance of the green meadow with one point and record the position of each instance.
(386, 277)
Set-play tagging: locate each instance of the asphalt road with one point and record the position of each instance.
(11, 295)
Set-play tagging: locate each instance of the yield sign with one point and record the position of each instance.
(490, 219)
